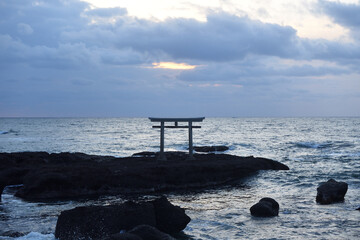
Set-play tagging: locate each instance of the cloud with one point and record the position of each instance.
(57, 58)
(249, 71)
(346, 15)
(222, 37)
(71, 37)
(106, 12)
(24, 29)
(342, 13)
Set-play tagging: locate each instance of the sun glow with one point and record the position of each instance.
(173, 65)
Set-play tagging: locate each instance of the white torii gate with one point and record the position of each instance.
(176, 121)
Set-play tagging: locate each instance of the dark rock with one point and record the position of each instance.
(266, 207)
(12, 234)
(124, 236)
(62, 182)
(331, 192)
(100, 222)
(358, 209)
(147, 232)
(11, 176)
(169, 218)
(144, 154)
(141, 232)
(211, 148)
(76, 175)
(38, 183)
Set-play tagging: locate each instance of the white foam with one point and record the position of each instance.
(37, 236)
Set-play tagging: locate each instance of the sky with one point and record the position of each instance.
(179, 58)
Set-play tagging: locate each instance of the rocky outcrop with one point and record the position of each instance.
(142, 232)
(211, 148)
(100, 222)
(266, 207)
(331, 192)
(76, 175)
(169, 218)
(124, 236)
(11, 176)
(150, 233)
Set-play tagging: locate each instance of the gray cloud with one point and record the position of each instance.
(57, 29)
(107, 12)
(244, 73)
(55, 62)
(222, 37)
(25, 29)
(342, 13)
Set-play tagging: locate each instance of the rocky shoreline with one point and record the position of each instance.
(47, 177)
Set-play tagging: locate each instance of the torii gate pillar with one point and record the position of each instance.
(176, 121)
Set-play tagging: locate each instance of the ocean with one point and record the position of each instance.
(315, 149)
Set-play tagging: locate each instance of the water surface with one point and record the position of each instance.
(315, 149)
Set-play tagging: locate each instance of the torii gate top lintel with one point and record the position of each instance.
(175, 120)
(198, 119)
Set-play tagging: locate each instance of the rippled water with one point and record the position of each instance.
(315, 149)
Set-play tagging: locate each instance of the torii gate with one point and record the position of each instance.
(176, 121)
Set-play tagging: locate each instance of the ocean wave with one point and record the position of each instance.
(243, 145)
(335, 145)
(7, 132)
(37, 236)
(344, 154)
(313, 145)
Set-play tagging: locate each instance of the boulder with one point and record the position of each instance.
(124, 236)
(141, 232)
(147, 232)
(331, 192)
(169, 218)
(211, 148)
(266, 207)
(101, 222)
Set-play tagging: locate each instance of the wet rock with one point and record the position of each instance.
(141, 232)
(266, 207)
(47, 177)
(97, 222)
(331, 192)
(144, 154)
(12, 234)
(147, 232)
(62, 182)
(169, 218)
(100, 222)
(124, 236)
(11, 176)
(211, 148)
